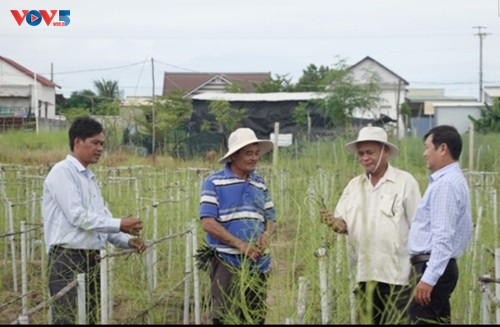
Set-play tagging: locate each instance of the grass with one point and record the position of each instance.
(166, 196)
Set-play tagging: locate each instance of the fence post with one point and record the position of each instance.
(325, 310)
(24, 268)
(104, 287)
(82, 311)
(196, 286)
(187, 271)
(304, 284)
(497, 285)
(12, 246)
(485, 302)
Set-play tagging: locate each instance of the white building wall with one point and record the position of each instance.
(10, 76)
(456, 116)
(392, 92)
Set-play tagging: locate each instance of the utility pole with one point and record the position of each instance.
(481, 36)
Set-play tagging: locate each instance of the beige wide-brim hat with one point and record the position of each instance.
(241, 138)
(372, 134)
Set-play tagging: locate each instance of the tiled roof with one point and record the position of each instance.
(192, 81)
(42, 80)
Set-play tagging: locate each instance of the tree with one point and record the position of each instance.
(405, 111)
(281, 83)
(345, 95)
(172, 113)
(490, 118)
(313, 79)
(107, 89)
(82, 101)
(226, 119)
(234, 88)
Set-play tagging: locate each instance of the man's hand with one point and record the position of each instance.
(252, 251)
(138, 244)
(263, 241)
(422, 293)
(338, 224)
(132, 226)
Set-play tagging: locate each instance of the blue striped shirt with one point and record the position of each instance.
(443, 222)
(241, 206)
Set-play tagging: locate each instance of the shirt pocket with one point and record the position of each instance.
(390, 204)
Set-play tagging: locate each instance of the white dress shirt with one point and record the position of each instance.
(73, 210)
(378, 219)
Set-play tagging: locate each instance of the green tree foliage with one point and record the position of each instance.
(226, 118)
(90, 103)
(234, 88)
(171, 114)
(345, 94)
(405, 111)
(107, 89)
(280, 83)
(490, 118)
(300, 114)
(83, 100)
(313, 79)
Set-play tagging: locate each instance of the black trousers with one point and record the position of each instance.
(382, 303)
(238, 294)
(438, 311)
(64, 266)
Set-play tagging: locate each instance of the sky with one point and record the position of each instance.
(429, 43)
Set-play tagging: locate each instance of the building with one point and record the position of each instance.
(431, 107)
(24, 94)
(392, 91)
(491, 93)
(191, 84)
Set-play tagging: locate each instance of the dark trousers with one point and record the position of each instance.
(438, 311)
(238, 295)
(64, 266)
(382, 303)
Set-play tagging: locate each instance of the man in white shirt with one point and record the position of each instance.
(77, 224)
(375, 211)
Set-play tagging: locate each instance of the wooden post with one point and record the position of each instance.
(275, 141)
(471, 148)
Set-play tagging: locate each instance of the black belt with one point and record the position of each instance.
(419, 258)
(80, 252)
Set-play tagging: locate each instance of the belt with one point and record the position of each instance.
(419, 258)
(80, 252)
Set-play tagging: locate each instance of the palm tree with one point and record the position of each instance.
(107, 89)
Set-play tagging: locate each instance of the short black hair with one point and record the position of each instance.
(83, 127)
(448, 135)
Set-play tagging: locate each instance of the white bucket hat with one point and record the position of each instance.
(372, 134)
(241, 138)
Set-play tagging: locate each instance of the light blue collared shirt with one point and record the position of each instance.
(73, 210)
(443, 222)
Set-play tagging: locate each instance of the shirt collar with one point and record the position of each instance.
(389, 175)
(443, 171)
(78, 165)
(229, 172)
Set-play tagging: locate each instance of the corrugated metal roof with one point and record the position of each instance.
(456, 104)
(265, 97)
(492, 91)
(429, 106)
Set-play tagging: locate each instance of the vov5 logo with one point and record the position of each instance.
(35, 17)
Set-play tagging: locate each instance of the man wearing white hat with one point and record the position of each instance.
(375, 210)
(238, 216)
